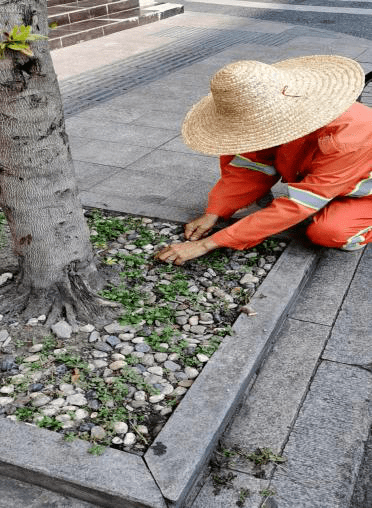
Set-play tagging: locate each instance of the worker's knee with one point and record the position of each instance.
(327, 234)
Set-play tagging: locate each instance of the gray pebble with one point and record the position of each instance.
(172, 366)
(142, 348)
(94, 336)
(112, 340)
(103, 346)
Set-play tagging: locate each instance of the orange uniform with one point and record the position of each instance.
(328, 175)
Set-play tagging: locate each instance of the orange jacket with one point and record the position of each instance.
(335, 160)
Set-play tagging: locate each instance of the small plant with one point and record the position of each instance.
(72, 361)
(25, 413)
(267, 493)
(70, 437)
(50, 423)
(262, 457)
(18, 40)
(229, 453)
(243, 494)
(97, 449)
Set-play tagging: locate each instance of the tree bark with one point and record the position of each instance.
(38, 191)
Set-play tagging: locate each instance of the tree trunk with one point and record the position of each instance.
(38, 191)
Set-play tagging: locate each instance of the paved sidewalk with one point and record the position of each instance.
(125, 97)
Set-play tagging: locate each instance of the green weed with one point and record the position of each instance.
(50, 423)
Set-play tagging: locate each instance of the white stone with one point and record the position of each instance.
(4, 277)
(40, 399)
(202, 358)
(154, 399)
(87, 328)
(99, 354)
(193, 320)
(58, 402)
(32, 322)
(18, 379)
(161, 357)
(191, 373)
(126, 336)
(119, 364)
(77, 400)
(3, 335)
(5, 400)
(49, 411)
(115, 327)
(142, 429)
(80, 414)
(60, 351)
(62, 329)
(168, 389)
(67, 388)
(117, 356)
(248, 278)
(116, 440)
(98, 432)
(140, 395)
(42, 318)
(138, 340)
(120, 427)
(180, 390)
(7, 389)
(35, 348)
(156, 370)
(99, 364)
(63, 418)
(129, 439)
(33, 358)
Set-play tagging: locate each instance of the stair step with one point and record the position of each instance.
(108, 23)
(74, 12)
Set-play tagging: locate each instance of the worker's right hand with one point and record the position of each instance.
(200, 227)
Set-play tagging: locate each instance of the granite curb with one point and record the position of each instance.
(174, 462)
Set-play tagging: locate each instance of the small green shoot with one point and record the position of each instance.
(97, 449)
(50, 423)
(18, 40)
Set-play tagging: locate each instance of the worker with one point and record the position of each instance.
(296, 120)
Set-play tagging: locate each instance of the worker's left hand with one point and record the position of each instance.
(179, 253)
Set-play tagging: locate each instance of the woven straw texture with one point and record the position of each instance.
(253, 105)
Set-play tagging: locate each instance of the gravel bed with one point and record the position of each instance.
(117, 385)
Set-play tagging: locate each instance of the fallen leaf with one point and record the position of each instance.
(75, 376)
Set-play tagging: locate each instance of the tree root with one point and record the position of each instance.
(69, 299)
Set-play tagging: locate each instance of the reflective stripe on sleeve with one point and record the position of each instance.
(242, 162)
(355, 242)
(363, 188)
(307, 198)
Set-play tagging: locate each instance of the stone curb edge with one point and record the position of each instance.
(183, 447)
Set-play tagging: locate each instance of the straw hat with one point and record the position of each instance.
(253, 105)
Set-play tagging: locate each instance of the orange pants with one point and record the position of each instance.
(345, 223)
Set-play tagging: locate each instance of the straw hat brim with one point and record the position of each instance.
(328, 85)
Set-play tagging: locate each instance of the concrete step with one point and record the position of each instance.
(90, 19)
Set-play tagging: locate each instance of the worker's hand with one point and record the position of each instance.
(200, 227)
(179, 253)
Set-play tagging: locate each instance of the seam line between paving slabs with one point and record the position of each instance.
(319, 361)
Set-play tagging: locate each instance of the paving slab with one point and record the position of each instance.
(17, 494)
(320, 300)
(241, 488)
(264, 420)
(184, 445)
(326, 446)
(41, 457)
(350, 341)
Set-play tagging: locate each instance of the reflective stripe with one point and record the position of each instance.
(242, 162)
(363, 188)
(307, 198)
(355, 242)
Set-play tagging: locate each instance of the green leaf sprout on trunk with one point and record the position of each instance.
(18, 40)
